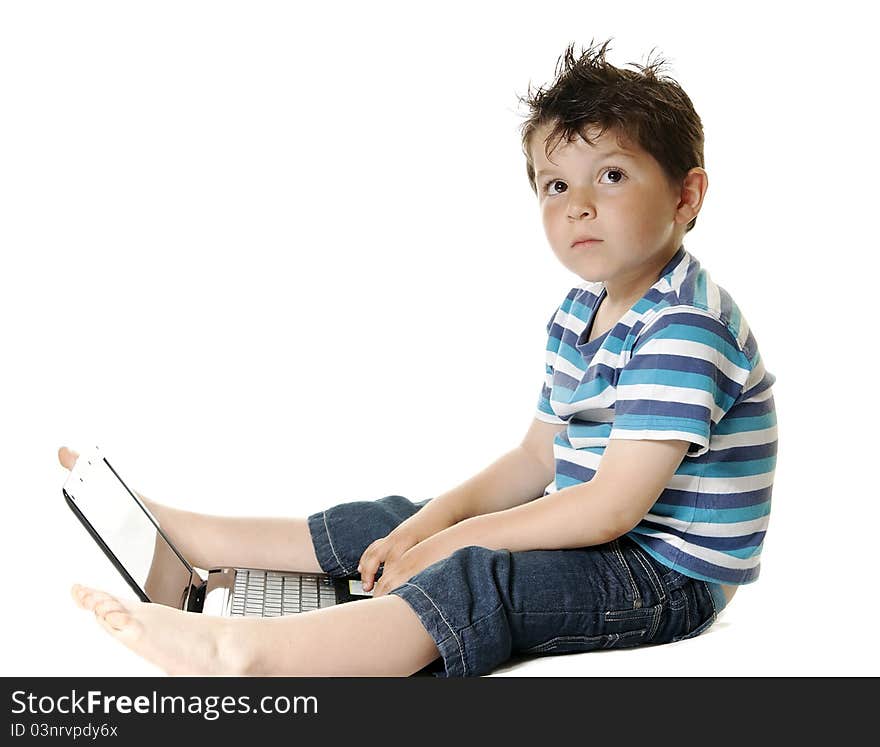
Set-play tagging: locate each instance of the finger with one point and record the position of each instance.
(367, 576)
(363, 566)
(381, 587)
(374, 571)
(364, 561)
(369, 563)
(376, 577)
(67, 457)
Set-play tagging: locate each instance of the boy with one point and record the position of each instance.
(637, 501)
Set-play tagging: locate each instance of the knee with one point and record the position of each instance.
(475, 566)
(472, 554)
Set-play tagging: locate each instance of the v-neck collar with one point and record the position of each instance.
(592, 346)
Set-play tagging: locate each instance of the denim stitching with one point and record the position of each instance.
(652, 574)
(658, 587)
(700, 627)
(451, 630)
(556, 640)
(333, 549)
(637, 598)
(605, 640)
(652, 624)
(655, 624)
(643, 613)
(485, 617)
(711, 601)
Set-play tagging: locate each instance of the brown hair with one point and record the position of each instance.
(645, 108)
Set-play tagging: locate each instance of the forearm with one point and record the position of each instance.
(515, 478)
(568, 518)
(578, 516)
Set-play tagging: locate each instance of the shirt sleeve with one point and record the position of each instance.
(554, 340)
(685, 373)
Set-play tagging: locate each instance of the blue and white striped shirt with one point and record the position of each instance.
(680, 364)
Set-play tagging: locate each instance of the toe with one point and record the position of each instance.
(122, 625)
(108, 605)
(117, 620)
(67, 457)
(91, 598)
(78, 593)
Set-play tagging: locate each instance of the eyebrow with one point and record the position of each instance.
(601, 157)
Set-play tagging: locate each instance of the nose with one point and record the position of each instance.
(580, 204)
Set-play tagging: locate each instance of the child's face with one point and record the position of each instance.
(625, 200)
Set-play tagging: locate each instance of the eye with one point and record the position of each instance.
(549, 187)
(618, 177)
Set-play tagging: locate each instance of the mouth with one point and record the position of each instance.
(585, 242)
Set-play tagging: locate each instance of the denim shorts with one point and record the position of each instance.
(482, 606)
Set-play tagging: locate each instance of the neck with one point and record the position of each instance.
(623, 292)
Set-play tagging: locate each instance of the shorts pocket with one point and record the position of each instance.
(696, 631)
(569, 644)
(686, 608)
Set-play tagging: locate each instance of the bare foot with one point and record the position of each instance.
(67, 457)
(177, 642)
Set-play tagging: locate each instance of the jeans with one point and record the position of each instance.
(481, 606)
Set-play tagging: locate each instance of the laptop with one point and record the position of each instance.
(147, 559)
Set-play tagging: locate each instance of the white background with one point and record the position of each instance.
(272, 257)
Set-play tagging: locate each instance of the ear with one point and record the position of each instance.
(693, 189)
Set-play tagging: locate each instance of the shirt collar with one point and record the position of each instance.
(677, 258)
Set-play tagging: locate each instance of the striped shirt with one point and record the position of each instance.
(680, 364)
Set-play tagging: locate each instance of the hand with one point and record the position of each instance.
(416, 559)
(387, 550)
(431, 549)
(426, 523)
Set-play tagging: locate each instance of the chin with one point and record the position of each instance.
(591, 274)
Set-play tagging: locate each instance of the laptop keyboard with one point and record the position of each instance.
(272, 594)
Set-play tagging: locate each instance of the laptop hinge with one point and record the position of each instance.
(194, 596)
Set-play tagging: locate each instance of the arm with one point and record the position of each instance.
(631, 476)
(517, 477)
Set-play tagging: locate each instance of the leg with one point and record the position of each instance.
(379, 637)
(482, 605)
(219, 541)
(374, 637)
(238, 542)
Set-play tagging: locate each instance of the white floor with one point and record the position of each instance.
(753, 636)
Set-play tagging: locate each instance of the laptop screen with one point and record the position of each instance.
(129, 531)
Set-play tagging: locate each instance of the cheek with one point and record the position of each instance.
(651, 215)
(550, 217)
